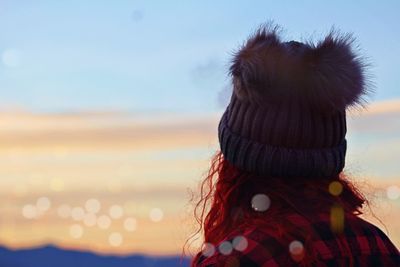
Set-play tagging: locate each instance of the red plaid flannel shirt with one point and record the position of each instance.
(360, 244)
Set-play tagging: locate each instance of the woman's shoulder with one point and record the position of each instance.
(297, 239)
(255, 246)
(371, 237)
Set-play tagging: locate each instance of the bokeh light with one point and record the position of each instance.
(225, 248)
(208, 249)
(76, 231)
(29, 211)
(116, 212)
(103, 222)
(240, 243)
(335, 188)
(130, 224)
(93, 205)
(393, 192)
(43, 204)
(296, 250)
(137, 15)
(337, 219)
(57, 184)
(115, 239)
(156, 214)
(260, 202)
(90, 219)
(77, 213)
(11, 57)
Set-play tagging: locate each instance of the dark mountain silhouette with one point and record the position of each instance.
(50, 256)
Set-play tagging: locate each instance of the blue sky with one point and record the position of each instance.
(164, 56)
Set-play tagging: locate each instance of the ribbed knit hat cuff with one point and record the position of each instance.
(278, 161)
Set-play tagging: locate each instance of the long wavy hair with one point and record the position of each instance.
(226, 193)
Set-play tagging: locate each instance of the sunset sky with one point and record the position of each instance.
(117, 104)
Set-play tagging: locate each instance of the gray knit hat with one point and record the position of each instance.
(287, 112)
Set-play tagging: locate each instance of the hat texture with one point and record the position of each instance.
(287, 112)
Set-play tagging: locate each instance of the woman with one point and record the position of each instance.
(276, 193)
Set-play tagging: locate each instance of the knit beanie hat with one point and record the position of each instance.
(287, 112)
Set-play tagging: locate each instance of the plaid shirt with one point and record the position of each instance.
(359, 244)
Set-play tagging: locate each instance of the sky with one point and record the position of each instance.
(149, 56)
(117, 104)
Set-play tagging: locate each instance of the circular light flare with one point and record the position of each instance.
(29, 211)
(93, 205)
(130, 224)
(57, 184)
(11, 58)
(296, 250)
(156, 214)
(335, 188)
(393, 192)
(225, 248)
(115, 239)
(76, 231)
(260, 202)
(116, 212)
(240, 243)
(77, 213)
(90, 219)
(43, 204)
(208, 249)
(103, 222)
(137, 15)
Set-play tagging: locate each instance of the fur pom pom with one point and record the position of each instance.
(328, 76)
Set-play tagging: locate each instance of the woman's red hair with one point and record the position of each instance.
(226, 192)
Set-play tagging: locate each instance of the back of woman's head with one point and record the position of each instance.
(232, 198)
